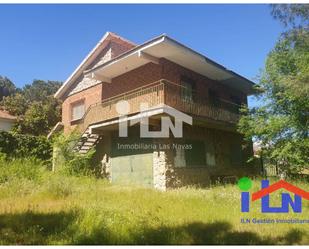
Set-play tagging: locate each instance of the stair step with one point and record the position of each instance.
(88, 143)
(86, 146)
(92, 140)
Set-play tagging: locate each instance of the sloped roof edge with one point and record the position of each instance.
(91, 56)
(88, 60)
(164, 37)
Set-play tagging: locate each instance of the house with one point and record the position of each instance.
(158, 74)
(6, 121)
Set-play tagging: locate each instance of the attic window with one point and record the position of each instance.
(78, 110)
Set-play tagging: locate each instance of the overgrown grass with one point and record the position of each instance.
(55, 209)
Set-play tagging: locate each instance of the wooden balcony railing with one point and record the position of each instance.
(158, 93)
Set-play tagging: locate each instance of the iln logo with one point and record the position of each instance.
(245, 184)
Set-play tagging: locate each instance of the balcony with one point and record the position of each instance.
(159, 93)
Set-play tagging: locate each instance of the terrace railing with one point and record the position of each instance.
(158, 93)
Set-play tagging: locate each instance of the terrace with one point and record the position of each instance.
(160, 93)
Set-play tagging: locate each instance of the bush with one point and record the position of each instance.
(72, 162)
(21, 146)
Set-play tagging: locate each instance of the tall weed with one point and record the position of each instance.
(21, 169)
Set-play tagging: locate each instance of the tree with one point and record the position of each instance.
(37, 110)
(291, 14)
(7, 87)
(15, 104)
(281, 123)
(39, 90)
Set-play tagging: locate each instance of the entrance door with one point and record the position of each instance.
(132, 169)
(131, 166)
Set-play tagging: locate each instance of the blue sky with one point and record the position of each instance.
(49, 41)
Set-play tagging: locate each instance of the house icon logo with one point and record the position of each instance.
(264, 194)
(123, 108)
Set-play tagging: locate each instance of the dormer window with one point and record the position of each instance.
(78, 110)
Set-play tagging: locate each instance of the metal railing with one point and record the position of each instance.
(162, 92)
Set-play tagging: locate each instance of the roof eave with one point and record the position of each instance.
(87, 60)
(249, 89)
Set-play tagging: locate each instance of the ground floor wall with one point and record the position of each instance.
(203, 156)
(213, 155)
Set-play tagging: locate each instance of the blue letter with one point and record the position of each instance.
(265, 202)
(286, 200)
(245, 202)
(296, 205)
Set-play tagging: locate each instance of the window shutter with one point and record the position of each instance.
(78, 111)
(210, 153)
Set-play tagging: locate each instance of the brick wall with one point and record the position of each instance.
(167, 70)
(90, 89)
(90, 95)
(135, 78)
(147, 74)
(174, 72)
(119, 46)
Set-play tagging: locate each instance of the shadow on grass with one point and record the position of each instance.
(31, 228)
(217, 233)
(61, 228)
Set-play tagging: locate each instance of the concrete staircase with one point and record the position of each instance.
(87, 142)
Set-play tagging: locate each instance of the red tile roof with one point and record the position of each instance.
(6, 115)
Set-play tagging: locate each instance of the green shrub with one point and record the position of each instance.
(72, 162)
(80, 164)
(20, 146)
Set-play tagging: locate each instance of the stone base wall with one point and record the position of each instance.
(106, 167)
(159, 170)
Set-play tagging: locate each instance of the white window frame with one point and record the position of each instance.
(78, 104)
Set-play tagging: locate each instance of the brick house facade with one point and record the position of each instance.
(156, 72)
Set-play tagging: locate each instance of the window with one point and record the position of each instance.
(78, 110)
(236, 100)
(237, 104)
(195, 156)
(213, 97)
(187, 89)
(179, 159)
(210, 154)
